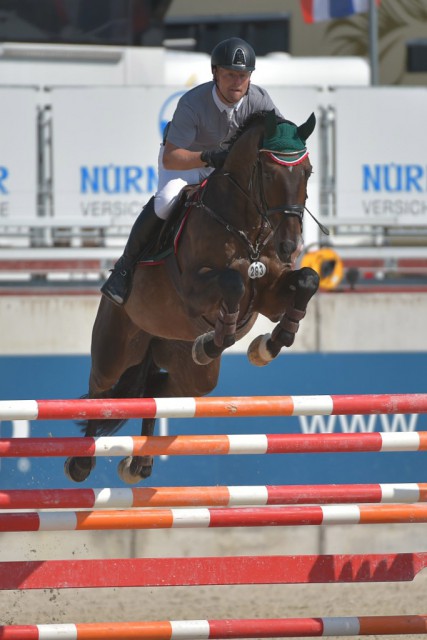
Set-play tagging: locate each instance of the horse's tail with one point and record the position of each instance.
(131, 384)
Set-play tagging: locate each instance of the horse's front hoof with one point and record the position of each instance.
(133, 470)
(258, 353)
(78, 469)
(199, 352)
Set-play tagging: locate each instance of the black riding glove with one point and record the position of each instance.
(214, 158)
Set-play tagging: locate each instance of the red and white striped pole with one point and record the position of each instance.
(214, 444)
(211, 407)
(206, 629)
(182, 518)
(214, 496)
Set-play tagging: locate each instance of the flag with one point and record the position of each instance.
(318, 10)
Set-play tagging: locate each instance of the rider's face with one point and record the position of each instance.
(231, 85)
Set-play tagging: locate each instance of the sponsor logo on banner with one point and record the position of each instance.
(113, 179)
(358, 423)
(118, 191)
(344, 424)
(4, 191)
(395, 189)
(105, 181)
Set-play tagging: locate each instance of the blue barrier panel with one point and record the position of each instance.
(38, 377)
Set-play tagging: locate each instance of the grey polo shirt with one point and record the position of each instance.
(199, 124)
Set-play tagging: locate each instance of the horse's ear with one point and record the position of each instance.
(270, 124)
(305, 130)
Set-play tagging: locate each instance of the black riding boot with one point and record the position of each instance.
(118, 286)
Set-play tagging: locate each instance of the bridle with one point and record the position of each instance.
(288, 159)
(264, 211)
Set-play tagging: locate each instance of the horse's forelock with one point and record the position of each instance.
(253, 120)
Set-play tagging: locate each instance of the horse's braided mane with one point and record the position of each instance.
(252, 119)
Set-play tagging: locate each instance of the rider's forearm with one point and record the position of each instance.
(182, 159)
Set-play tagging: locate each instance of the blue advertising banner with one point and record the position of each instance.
(42, 377)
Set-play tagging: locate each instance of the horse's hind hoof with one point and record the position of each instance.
(258, 353)
(132, 473)
(76, 471)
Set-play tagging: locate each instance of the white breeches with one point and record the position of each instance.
(171, 183)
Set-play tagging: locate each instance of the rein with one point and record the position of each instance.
(254, 249)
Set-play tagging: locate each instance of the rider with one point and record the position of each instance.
(205, 119)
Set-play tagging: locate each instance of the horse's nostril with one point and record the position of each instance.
(285, 250)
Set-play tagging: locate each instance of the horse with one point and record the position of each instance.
(233, 257)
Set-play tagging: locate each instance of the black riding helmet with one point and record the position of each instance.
(233, 53)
